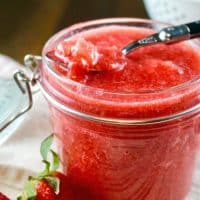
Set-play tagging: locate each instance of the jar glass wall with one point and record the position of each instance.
(138, 146)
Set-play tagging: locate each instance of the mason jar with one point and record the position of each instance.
(123, 146)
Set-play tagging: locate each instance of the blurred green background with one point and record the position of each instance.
(27, 25)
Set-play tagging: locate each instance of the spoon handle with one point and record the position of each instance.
(167, 35)
(194, 28)
(180, 32)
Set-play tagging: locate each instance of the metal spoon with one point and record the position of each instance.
(167, 35)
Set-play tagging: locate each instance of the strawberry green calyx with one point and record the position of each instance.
(30, 190)
(54, 182)
(55, 162)
(46, 146)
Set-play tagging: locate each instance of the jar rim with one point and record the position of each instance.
(131, 121)
(110, 21)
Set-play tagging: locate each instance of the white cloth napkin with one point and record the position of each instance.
(22, 148)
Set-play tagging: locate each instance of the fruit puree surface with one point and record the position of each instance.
(95, 59)
(119, 162)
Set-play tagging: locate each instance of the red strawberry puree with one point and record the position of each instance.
(125, 162)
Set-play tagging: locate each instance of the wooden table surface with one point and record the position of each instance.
(26, 25)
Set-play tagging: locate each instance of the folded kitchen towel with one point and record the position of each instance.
(13, 180)
(21, 149)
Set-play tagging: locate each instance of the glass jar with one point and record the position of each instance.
(117, 146)
(110, 149)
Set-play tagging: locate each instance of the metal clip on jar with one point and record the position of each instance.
(24, 83)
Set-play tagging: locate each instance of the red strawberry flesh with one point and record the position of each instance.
(3, 196)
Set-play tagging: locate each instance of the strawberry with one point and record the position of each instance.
(45, 191)
(3, 197)
(50, 184)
